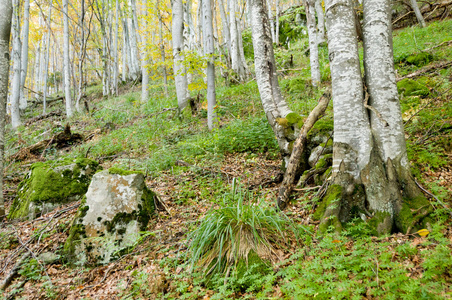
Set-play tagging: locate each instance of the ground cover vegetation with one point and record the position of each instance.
(220, 235)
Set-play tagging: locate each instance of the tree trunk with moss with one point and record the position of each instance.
(5, 31)
(371, 172)
(284, 122)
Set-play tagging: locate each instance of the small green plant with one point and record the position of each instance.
(237, 233)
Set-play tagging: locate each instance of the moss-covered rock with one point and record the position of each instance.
(248, 269)
(329, 208)
(117, 207)
(413, 215)
(50, 184)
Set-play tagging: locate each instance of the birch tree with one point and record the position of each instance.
(180, 76)
(208, 50)
(417, 12)
(281, 118)
(237, 54)
(320, 21)
(5, 30)
(371, 172)
(24, 54)
(66, 61)
(15, 83)
(313, 42)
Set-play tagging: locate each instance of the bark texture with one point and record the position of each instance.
(313, 42)
(371, 174)
(209, 51)
(5, 31)
(66, 61)
(15, 82)
(283, 121)
(179, 70)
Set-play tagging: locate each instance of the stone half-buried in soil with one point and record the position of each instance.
(117, 207)
(51, 184)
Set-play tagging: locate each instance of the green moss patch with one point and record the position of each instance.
(419, 59)
(413, 215)
(50, 184)
(410, 87)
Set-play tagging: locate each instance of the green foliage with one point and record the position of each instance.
(236, 230)
(410, 87)
(252, 135)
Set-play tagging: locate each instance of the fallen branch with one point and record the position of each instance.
(9, 278)
(426, 70)
(433, 196)
(60, 140)
(299, 146)
(44, 116)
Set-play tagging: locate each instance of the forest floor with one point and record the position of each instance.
(191, 169)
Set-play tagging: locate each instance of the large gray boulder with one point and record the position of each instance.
(117, 207)
(50, 184)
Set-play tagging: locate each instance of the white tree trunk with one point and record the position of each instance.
(24, 55)
(209, 51)
(225, 24)
(66, 61)
(313, 45)
(180, 76)
(115, 51)
(46, 66)
(15, 83)
(277, 23)
(162, 50)
(270, 19)
(417, 12)
(5, 30)
(133, 31)
(274, 105)
(352, 147)
(320, 21)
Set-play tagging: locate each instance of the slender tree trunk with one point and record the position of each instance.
(275, 107)
(225, 29)
(144, 60)
(209, 51)
(417, 12)
(15, 84)
(162, 50)
(66, 61)
(115, 51)
(133, 31)
(313, 45)
(46, 66)
(5, 31)
(24, 55)
(320, 21)
(81, 57)
(270, 19)
(178, 44)
(277, 23)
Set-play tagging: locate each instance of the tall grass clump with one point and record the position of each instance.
(236, 232)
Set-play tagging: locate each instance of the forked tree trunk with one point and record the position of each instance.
(370, 167)
(282, 120)
(313, 42)
(5, 31)
(180, 76)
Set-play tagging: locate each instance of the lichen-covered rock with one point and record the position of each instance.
(117, 207)
(50, 184)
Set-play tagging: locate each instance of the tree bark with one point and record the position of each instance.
(417, 12)
(180, 76)
(46, 65)
(313, 42)
(66, 61)
(15, 83)
(320, 21)
(24, 55)
(5, 32)
(225, 29)
(209, 51)
(162, 50)
(371, 173)
(275, 107)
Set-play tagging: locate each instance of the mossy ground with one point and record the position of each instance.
(45, 186)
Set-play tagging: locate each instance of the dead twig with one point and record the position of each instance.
(433, 196)
(426, 70)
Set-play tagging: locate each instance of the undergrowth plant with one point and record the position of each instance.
(235, 230)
